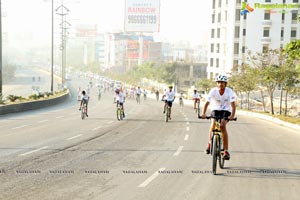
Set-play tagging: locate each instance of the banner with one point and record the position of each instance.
(142, 16)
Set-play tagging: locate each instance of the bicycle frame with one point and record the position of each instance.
(83, 111)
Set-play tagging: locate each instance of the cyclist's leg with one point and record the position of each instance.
(225, 134)
(170, 105)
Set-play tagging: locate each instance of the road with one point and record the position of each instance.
(52, 154)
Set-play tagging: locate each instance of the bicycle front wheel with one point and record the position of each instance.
(119, 114)
(167, 114)
(215, 154)
(82, 113)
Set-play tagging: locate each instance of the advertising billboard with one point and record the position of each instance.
(142, 16)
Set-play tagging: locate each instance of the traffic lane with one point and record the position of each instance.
(131, 153)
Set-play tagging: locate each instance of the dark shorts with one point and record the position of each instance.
(169, 103)
(84, 101)
(220, 113)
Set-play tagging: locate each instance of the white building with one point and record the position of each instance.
(271, 25)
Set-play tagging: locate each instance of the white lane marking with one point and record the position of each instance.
(186, 119)
(30, 152)
(97, 128)
(76, 136)
(43, 121)
(178, 151)
(187, 128)
(19, 127)
(59, 117)
(109, 122)
(187, 123)
(186, 137)
(151, 178)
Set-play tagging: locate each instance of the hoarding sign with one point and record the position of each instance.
(142, 15)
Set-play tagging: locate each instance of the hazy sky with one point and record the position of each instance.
(180, 19)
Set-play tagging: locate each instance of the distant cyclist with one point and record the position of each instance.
(222, 100)
(169, 98)
(84, 100)
(138, 94)
(181, 99)
(120, 98)
(196, 98)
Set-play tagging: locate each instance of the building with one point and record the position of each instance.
(255, 25)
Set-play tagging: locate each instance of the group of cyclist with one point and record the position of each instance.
(221, 100)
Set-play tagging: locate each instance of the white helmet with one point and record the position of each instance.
(221, 78)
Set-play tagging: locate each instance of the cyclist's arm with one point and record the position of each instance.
(233, 107)
(204, 109)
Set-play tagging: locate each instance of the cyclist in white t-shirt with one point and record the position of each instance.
(84, 100)
(169, 98)
(196, 98)
(120, 98)
(222, 103)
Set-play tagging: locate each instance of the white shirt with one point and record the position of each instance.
(170, 95)
(85, 97)
(138, 91)
(120, 97)
(221, 102)
(196, 96)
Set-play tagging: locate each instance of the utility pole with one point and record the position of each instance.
(64, 11)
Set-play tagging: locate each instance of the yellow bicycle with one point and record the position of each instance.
(216, 149)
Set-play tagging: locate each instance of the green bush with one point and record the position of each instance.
(33, 96)
(13, 98)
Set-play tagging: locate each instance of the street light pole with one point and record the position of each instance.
(0, 50)
(52, 44)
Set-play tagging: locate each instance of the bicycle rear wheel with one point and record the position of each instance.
(167, 115)
(82, 113)
(215, 154)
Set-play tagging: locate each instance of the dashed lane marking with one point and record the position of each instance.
(178, 151)
(30, 152)
(151, 178)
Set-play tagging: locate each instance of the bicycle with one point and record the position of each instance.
(216, 148)
(119, 111)
(138, 99)
(99, 96)
(197, 110)
(83, 111)
(167, 111)
(181, 102)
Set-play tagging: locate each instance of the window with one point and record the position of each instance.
(266, 32)
(268, 0)
(218, 48)
(211, 62)
(213, 18)
(238, 1)
(220, 3)
(219, 17)
(211, 48)
(245, 17)
(244, 32)
(217, 63)
(294, 16)
(237, 32)
(282, 16)
(236, 48)
(267, 15)
(295, 1)
(293, 33)
(237, 14)
(214, 4)
(243, 49)
(282, 32)
(212, 33)
(218, 32)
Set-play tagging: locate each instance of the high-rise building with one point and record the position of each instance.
(255, 25)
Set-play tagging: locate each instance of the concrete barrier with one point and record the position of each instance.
(33, 105)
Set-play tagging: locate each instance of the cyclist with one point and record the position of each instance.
(157, 95)
(222, 104)
(84, 100)
(196, 98)
(145, 94)
(181, 98)
(138, 93)
(170, 97)
(119, 97)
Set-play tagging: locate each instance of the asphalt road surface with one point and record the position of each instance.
(53, 154)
